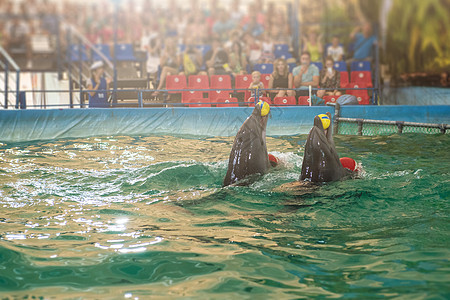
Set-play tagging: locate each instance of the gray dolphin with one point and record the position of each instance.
(321, 161)
(249, 153)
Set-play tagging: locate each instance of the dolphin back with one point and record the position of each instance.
(321, 161)
(249, 153)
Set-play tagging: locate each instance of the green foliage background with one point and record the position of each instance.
(418, 36)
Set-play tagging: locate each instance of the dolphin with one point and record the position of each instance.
(249, 153)
(321, 162)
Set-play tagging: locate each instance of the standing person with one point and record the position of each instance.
(329, 79)
(98, 86)
(335, 50)
(281, 80)
(313, 45)
(364, 40)
(305, 75)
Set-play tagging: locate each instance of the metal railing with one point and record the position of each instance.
(10, 62)
(400, 126)
(144, 98)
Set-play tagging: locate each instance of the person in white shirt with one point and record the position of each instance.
(335, 50)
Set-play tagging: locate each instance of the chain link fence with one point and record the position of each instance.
(348, 126)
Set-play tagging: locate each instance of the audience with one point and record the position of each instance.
(238, 60)
(256, 85)
(305, 75)
(281, 80)
(335, 50)
(364, 40)
(217, 59)
(313, 45)
(329, 79)
(238, 38)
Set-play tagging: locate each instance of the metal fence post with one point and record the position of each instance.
(17, 88)
(6, 83)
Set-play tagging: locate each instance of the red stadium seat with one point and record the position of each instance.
(224, 102)
(361, 95)
(303, 100)
(265, 80)
(198, 82)
(220, 82)
(284, 101)
(344, 79)
(251, 101)
(195, 96)
(242, 82)
(176, 82)
(362, 77)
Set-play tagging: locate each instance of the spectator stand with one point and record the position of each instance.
(82, 53)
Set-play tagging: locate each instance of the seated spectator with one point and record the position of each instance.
(335, 50)
(256, 85)
(152, 46)
(169, 63)
(281, 80)
(253, 49)
(268, 48)
(17, 38)
(305, 75)
(313, 45)
(98, 86)
(363, 42)
(191, 59)
(329, 79)
(238, 60)
(217, 59)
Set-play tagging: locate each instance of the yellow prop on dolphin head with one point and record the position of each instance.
(325, 121)
(265, 107)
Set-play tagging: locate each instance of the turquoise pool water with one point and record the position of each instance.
(134, 218)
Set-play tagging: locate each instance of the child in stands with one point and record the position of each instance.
(256, 85)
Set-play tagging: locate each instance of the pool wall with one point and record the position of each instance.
(29, 125)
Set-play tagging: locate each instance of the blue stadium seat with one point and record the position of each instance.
(124, 52)
(284, 55)
(264, 68)
(282, 47)
(362, 65)
(73, 53)
(340, 66)
(318, 64)
(104, 49)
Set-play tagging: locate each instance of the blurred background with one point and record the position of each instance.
(410, 37)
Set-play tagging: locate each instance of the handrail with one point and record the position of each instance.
(79, 35)
(9, 59)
